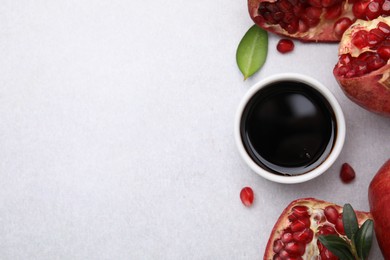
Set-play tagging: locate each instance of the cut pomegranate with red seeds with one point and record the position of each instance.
(363, 69)
(314, 20)
(319, 218)
(347, 173)
(247, 196)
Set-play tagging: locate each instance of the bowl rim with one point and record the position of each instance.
(340, 134)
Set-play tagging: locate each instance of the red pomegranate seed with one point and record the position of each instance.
(303, 27)
(278, 245)
(305, 236)
(365, 56)
(326, 230)
(284, 6)
(327, 255)
(300, 224)
(386, 8)
(339, 225)
(292, 217)
(283, 254)
(288, 17)
(359, 39)
(345, 59)
(359, 67)
(373, 10)
(375, 36)
(313, 12)
(285, 45)
(278, 16)
(347, 173)
(328, 3)
(295, 249)
(333, 12)
(286, 237)
(384, 27)
(331, 214)
(293, 26)
(359, 9)
(300, 211)
(375, 62)
(247, 196)
(384, 52)
(342, 70)
(341, 25)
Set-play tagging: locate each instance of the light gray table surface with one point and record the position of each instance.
(116, 132)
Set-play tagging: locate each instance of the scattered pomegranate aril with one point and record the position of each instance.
(285, 243)
(347, 173)
(285, 45)
(247, 196)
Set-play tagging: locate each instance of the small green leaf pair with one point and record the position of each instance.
(252, 51)
(358, 243)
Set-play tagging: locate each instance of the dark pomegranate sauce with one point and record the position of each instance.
(288, 128)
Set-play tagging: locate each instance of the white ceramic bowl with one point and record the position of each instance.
(338, 143)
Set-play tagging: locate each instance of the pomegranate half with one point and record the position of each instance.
(314, 20)
(363, 68)
(295, 234)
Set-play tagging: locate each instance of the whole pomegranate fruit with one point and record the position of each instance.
(379, 200)
(295, 234)
(363, 68)
(314, 20)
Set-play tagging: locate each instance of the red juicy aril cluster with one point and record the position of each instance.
(314, 20)
(372, 47)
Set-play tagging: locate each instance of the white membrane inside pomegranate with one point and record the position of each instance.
(295, 235)
(364, 48)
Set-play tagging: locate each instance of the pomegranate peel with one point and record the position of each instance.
(306, 219)
(379, 197)
(363, 68)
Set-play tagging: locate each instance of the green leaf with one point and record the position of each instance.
(363, 239)
(350, 222)
(338, 246)
(252, 51)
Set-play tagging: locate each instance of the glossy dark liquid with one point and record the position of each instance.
(288, 128)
